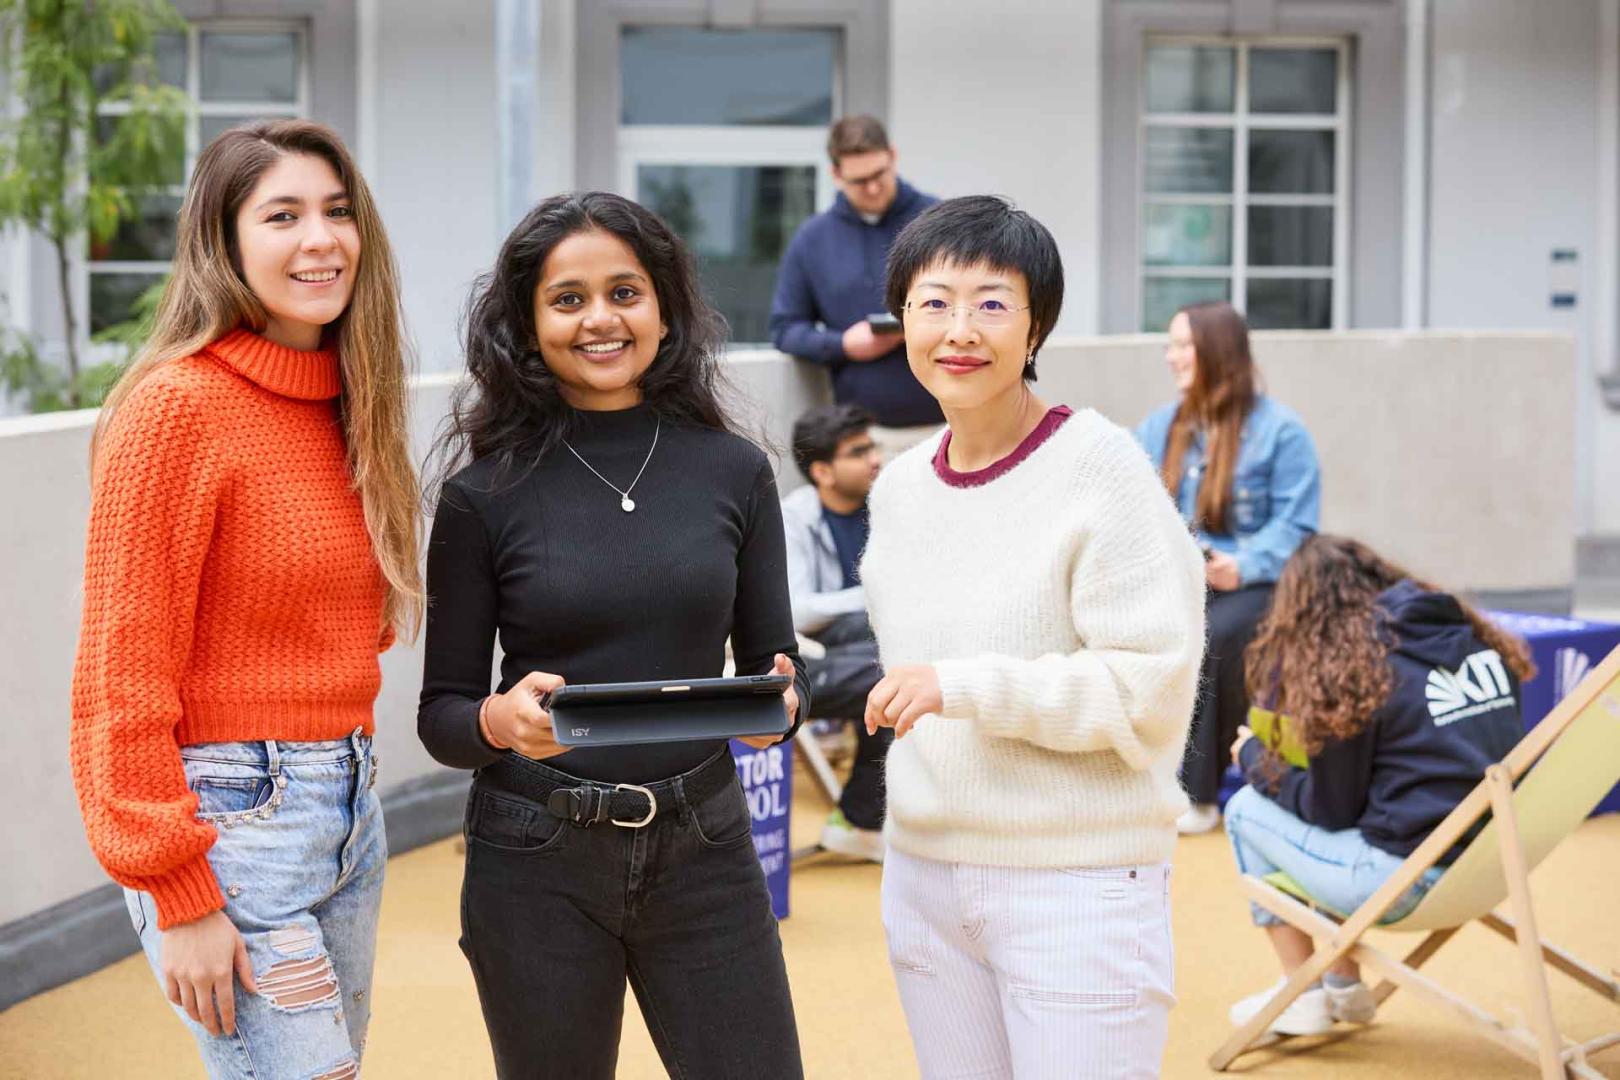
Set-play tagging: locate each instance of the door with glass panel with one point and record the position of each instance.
(722, 133)
(1243, 172)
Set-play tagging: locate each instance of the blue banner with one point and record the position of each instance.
(767, 780)
(1564, 650)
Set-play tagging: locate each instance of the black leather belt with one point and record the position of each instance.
(586, 802)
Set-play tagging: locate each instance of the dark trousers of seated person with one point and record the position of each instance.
(1223, 698)
(556, 916)
(839, 683)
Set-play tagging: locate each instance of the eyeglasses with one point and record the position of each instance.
(936, 312)
(869, 179)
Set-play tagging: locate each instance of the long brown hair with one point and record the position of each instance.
(206, 298)
(1218, 401)
(1321, 654)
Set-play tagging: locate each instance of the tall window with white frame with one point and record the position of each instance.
(232, 73)
(1244, 166)
(722, 133)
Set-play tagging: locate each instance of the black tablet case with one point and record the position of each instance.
(675, 720)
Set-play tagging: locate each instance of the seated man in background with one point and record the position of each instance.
(826, 526)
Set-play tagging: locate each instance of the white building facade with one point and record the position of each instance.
(1324, 164)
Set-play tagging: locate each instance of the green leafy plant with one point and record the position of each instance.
(69, 171)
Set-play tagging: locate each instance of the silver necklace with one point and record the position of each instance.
(626, 503)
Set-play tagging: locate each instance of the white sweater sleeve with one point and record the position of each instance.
(1136, 595)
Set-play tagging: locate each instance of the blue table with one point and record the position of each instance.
(767, 780)
(1564, 650)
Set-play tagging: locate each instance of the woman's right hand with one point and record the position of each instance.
(517, 721)
(198, 959)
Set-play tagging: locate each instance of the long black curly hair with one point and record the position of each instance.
(511, 405)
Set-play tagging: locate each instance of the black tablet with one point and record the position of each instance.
(611, 714)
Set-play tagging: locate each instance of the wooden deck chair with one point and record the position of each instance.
(1567, 763)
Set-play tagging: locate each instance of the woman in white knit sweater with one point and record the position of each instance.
(1039, 608)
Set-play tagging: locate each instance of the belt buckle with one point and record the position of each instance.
(652, 807)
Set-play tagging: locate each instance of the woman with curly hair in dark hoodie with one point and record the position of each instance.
(1400, 696)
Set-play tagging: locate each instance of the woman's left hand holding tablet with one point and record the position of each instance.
(516, 721)
(790, 701)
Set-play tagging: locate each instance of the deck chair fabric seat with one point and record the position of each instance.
(1537, 795)
(1282, 882)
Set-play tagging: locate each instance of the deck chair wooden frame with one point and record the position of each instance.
(1576, 754)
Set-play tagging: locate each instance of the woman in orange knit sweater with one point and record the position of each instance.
(252, 548)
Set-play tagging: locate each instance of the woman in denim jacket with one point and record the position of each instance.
(1243, 470)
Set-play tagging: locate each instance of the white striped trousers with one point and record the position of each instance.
(1031, 974)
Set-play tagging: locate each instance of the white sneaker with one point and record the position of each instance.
(839, 836)
(1308, 1014)
(1198, 818)
(1354, 1004)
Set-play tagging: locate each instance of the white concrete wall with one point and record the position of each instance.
(1513, 159)
(1006, 100)
(1446, 451)
(433, 167)
(1449, 452)
(44, 479)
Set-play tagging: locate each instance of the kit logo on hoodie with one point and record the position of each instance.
(1480, 685)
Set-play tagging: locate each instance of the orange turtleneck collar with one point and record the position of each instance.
(293, 373)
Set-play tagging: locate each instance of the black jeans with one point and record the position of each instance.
(840, 682)
(1223, 697)
(555, 916)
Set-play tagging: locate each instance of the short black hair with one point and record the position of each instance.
(985, 229)
(817, 433)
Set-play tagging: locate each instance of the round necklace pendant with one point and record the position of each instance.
(627, 504)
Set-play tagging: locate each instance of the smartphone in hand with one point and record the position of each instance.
(883, 323)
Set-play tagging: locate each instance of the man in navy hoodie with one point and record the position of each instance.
(831, 282)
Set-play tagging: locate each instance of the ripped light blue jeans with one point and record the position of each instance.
(1339, 869)
(300, 860)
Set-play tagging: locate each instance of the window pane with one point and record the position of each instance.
(1187, 235)
(1291, 162)
(148, 237)
(1290, 303)
(738, 220)
(113, 295)
(106, 130)
(210, 126)
(170, 53)
(1162, 297)
(689, 75)
(1291, 235)
(1189, 78)
(249, 67)
(168, 64)
(1188, 161)
(1293, 80)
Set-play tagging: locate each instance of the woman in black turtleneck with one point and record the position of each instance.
(612, 526)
